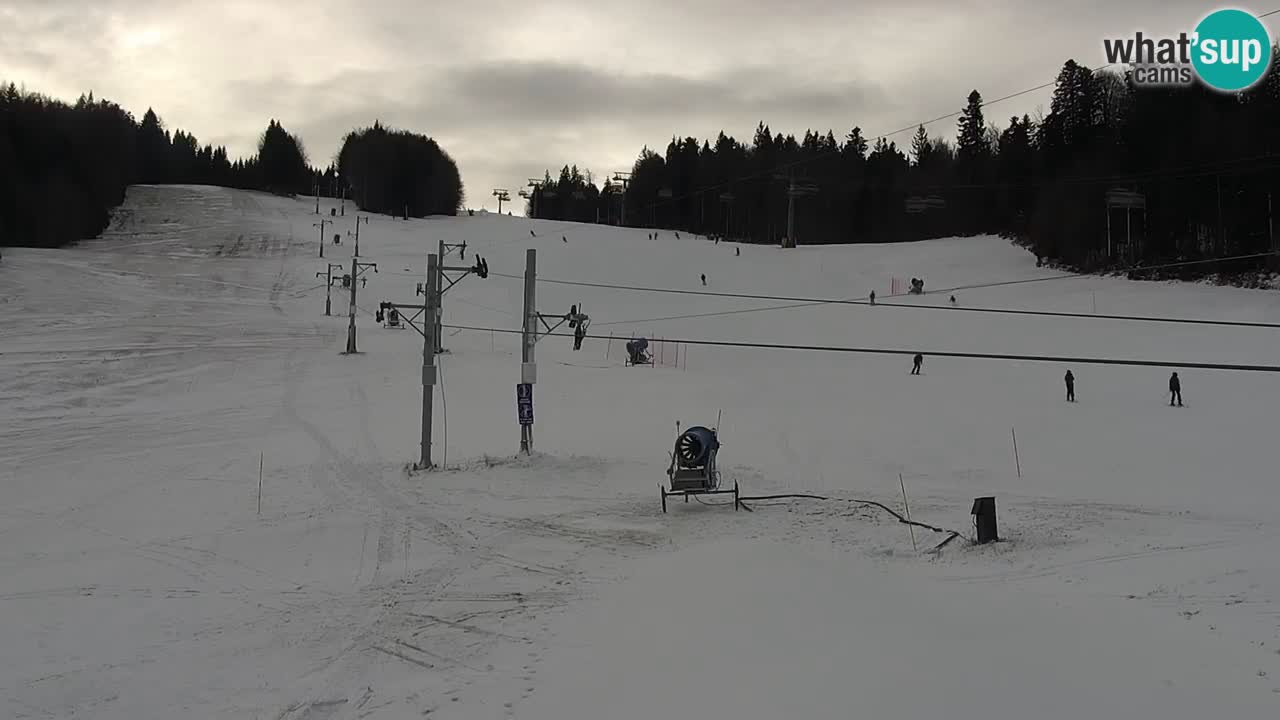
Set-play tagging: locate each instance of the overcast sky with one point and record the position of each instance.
(511, 88)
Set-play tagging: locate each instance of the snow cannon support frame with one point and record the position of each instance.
(637, 355)
(693, 469)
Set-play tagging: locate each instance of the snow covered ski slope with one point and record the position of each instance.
(144, 377)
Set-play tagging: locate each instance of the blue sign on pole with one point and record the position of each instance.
(524, 402)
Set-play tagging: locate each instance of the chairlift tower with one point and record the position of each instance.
(357, 269)
(323, 222)
(356, 234)
(665, 193)
(622, 181)
(502, 195)
(727, 198)
(796, 187)
(428, 313)
(328, 282)
(532, 195)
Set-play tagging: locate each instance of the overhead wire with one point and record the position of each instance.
(1081, 360)
(800, 302)
(808, 302)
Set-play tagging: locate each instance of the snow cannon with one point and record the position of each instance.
(696, 448)
(636, 354)
(693, 469)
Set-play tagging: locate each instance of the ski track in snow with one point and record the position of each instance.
(144, 374)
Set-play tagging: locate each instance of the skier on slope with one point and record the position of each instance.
(1071, 386)
(1175, 389)
(917, 362)
(704, 279)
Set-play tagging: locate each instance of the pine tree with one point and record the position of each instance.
(283, 161)
(971, 139)
(855, 144)
(154, 150)
(920, 146)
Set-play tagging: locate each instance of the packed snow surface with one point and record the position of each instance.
(146, 376)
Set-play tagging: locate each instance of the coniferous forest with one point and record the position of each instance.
(63, 168)
(1112, 176)
(399, 173)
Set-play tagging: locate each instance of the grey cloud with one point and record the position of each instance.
(546, 93)
(44, 26)
(527, 97)
(549, 113)
(78, 6)
(538, 100)
(41, 41)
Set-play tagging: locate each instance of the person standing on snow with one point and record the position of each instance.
(1175, 389)
(919, 360)
(873, 297)
(1071, 386)
(704, 279)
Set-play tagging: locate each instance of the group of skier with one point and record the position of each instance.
(636, 348)
(1175, 388)
(1175, 384)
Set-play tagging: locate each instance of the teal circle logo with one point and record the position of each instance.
(1232, 50)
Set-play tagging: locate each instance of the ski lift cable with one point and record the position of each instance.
(1080, 360)
(799, 302)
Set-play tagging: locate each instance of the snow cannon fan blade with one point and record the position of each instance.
(690, 450)
(693, 448)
